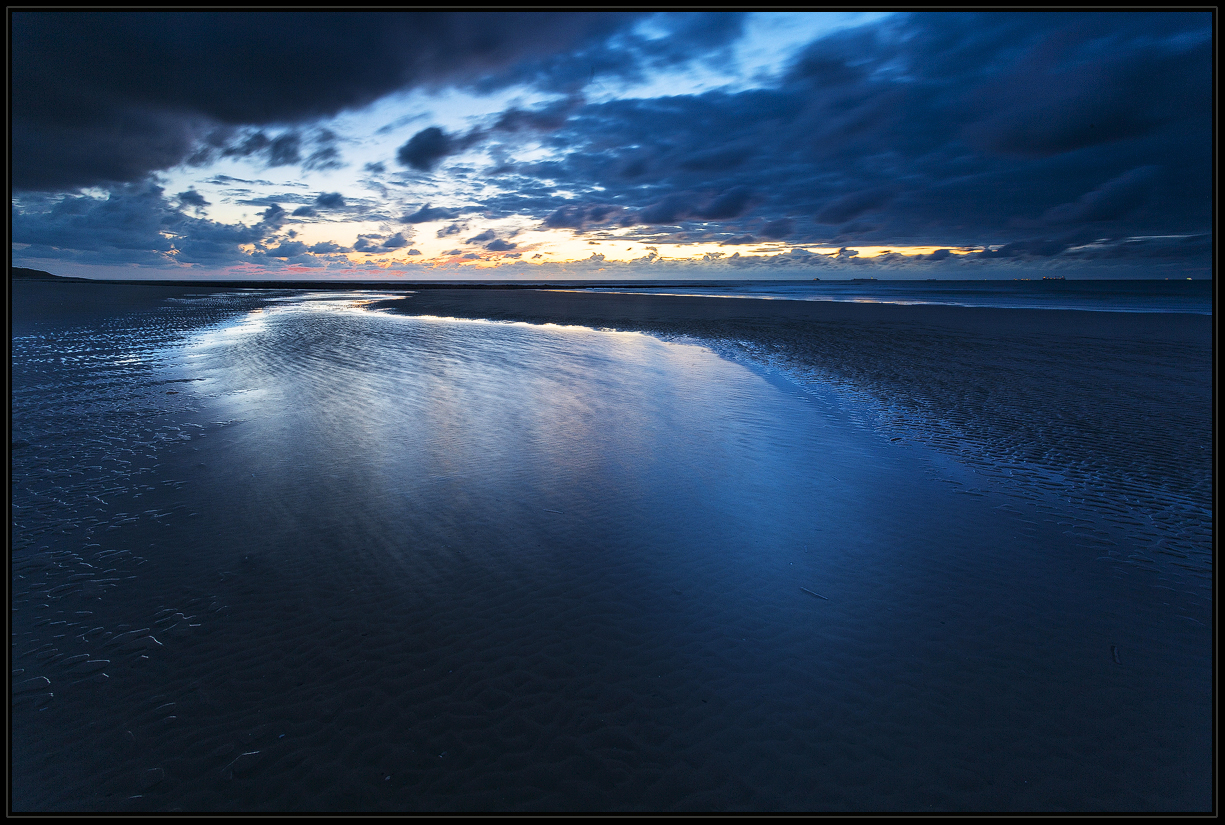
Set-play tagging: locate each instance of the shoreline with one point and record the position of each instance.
(663, 312)
(439, 565)
(1113, 410)
(964, 294)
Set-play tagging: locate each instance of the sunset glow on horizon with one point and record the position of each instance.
(725, 145)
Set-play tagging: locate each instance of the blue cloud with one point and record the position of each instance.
(428, 213)
(101, 98)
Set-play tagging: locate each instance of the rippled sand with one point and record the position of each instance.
(276, 552)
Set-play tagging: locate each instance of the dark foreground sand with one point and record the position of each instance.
(326, 559)
(1113, 410)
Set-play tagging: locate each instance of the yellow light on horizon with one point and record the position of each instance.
(556, 246)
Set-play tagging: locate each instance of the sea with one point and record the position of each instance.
(1174, 296)
(279, 551)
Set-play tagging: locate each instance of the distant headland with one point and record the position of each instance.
(18, 273)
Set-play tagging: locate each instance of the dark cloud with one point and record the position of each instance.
(716, 160)
(1112, 200)
(743, 239)
(854, 228)
(274, 215)
(228, 180)
(681, 206)
(567, 217)
(325, 157)
(131, 220)
(624, 53)
(1044, 136)
(327, 247)
(947, 129)
(546, 118)
(853, 205)
(377, 243)
(487, 235)
(574, 216)
(287, 249)
(399, 123)
(1175, 247)
(728, 205)
(500, 245)
(326, 154)
(274, 199)
(669, 210)
(193, 199)
(428, 213)
(1071, 90)
(282, 150)
(132, 224)
(330, 200)
(110, 96)
(425, 149)
(137, 224)
(1033, 248)
(780, 228)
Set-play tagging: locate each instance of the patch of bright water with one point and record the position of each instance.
(397, 563)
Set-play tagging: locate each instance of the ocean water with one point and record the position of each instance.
(275, 551)
(1038, 293)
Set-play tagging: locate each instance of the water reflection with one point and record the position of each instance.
(446, 564)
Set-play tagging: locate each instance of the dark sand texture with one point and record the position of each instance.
(277, 552)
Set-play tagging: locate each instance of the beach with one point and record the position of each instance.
(1111, 408)
(529, 550)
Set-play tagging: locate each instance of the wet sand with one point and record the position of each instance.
(276, 553)
(1111, 409)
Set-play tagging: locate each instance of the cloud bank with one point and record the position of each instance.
(1052, 139)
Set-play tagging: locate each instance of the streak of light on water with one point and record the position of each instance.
(520, 547)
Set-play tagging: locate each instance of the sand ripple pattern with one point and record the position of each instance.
(95, 405)
(1120, 428)
(439, 565)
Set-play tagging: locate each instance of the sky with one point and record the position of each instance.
(429, 146)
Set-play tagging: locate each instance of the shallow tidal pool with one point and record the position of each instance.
(276, 551)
